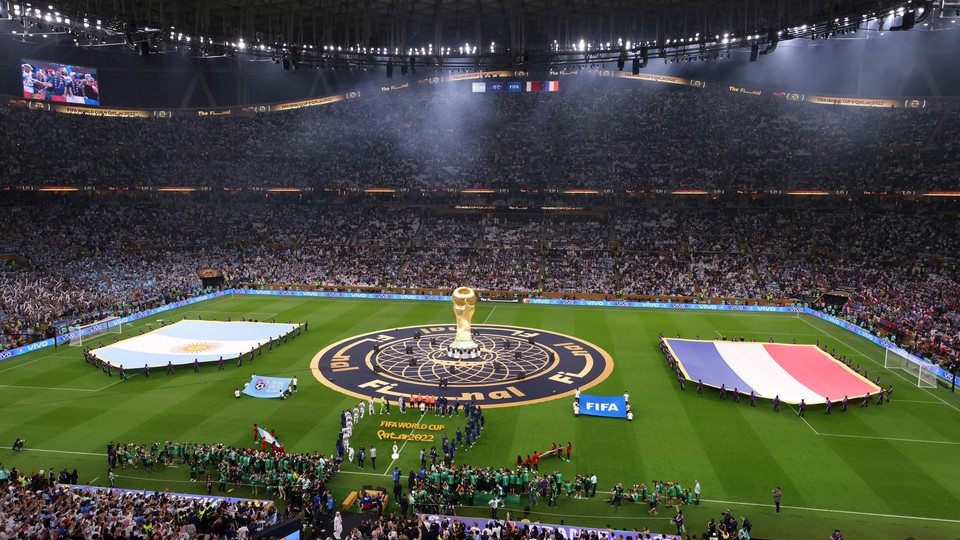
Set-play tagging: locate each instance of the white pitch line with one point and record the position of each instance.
(885, 438)
(378, 475)
(804, 420)
(833, 511)
(487, 318)
(824, 332)
(218, 312)
(21, 365)
(894, 516)
(115, 382)
(741, 331)
(30, 449)
(55, 355)
(172, 480)
(48, 388)
(872, 437)
(60, 354)
(920, 401)
(387, 472)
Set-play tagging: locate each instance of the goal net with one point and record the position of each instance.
(90, 332)
(895, 359)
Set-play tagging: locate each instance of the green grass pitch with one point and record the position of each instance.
(883, 472)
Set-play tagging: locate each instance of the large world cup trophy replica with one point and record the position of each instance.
(464, 304)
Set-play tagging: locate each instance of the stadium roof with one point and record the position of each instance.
(518, 25)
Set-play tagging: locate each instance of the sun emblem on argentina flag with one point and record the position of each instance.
(195, 347)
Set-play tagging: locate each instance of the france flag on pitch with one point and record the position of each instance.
(609, 406)
(266, 387)
(792, 372)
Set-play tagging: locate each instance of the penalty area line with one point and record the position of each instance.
(15, 366)
(872, 437)
(834, 511)
(815, 432)
(875, 361)
(116, 382)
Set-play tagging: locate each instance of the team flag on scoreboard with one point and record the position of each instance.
(533, 86)
(479, 87)
(553, 86)
(609, 406)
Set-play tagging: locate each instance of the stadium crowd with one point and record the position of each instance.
(44, 506)
(446, 137)
(80, 261)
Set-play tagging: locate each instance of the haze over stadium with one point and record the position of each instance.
(714, 247)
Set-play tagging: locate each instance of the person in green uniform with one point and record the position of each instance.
(654, 501)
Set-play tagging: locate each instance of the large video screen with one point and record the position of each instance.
(62, 83)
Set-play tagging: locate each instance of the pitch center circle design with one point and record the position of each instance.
(515, 365)
(501, 359)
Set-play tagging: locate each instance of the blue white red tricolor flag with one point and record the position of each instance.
(792, 372)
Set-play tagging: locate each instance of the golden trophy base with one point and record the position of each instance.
(463, 354)
(464, 347)
(463, 351)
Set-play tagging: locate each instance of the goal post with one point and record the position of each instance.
(88, 332)
(895, 359)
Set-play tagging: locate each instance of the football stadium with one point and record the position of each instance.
(513, 270)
